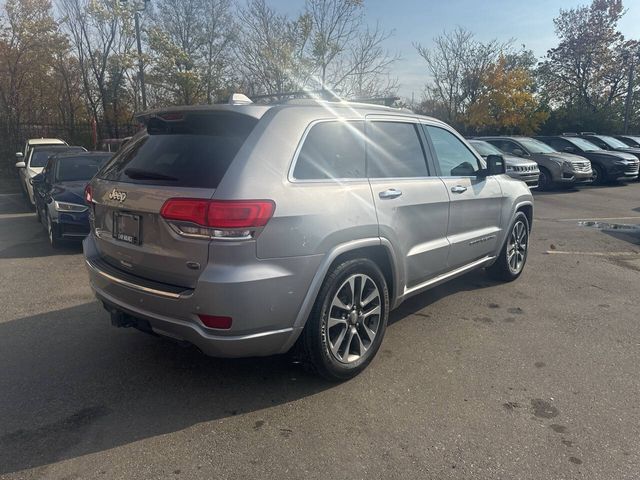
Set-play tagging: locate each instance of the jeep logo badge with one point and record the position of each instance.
(117, 196)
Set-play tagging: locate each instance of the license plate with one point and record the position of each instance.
(126, 228)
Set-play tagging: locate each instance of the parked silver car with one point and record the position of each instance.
(516, 167)
(556, 168)
(249, 230)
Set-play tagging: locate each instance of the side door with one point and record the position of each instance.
(476, 200)
(411, 204)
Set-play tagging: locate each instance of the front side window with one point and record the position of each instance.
(394, 150)
(332, 150)
(453, 156)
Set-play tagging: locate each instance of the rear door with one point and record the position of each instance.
(180, 156)
(412, 206)
(476, 201)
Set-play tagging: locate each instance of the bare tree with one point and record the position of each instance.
(336, 24)
(456, 64)
(271, 49)
(100, 31)
(190, 45)
(366, 70)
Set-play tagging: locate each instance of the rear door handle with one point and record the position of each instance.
(458, 189)
(391, 193)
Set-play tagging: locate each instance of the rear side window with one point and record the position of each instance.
(194, 150)
(332, 149)
(394, 150)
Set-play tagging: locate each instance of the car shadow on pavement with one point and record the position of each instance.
(70, 385)
(39, 246)
(474, 280)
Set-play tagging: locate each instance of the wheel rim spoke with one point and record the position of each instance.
(354, 317)
(517, 247)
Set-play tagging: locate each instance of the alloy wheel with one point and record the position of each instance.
(517, 247)
(354, 317)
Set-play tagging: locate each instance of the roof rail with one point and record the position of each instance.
(326, 95)
(588, 133)
(569, 134)
(312, 94)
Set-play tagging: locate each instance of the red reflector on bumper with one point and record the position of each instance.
(214, 321)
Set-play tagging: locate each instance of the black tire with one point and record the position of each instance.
(599, 177)
(53, 234)
(314, 345)
(545, 181)
(501, 269)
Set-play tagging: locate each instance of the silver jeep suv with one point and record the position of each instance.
(248, 230)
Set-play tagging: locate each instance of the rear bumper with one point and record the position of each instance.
(262, 300)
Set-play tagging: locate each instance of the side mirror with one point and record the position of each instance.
(518, 152)
(570, 149)
(36, 180)
(21, 165)
(19, 155)
(495, 165)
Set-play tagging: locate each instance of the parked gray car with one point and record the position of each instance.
(251, 230)
(516, 167)
(556, 168)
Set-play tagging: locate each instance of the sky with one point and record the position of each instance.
(526, 22)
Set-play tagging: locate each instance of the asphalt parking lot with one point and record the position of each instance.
(535, 379)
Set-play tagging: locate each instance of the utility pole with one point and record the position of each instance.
(138, 8)
(143, 87)
(631, 57)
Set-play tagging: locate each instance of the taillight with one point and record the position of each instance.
(88, 194)
(240, 214)
(222, 218)
(186, 210)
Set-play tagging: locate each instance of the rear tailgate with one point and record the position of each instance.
(184, 157)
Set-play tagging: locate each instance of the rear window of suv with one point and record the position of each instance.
(187, 150)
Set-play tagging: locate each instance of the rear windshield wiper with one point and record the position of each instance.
(139, 174)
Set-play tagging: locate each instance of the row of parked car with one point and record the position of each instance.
(568, 159)
(53, 176)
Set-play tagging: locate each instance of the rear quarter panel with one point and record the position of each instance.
(311, 217)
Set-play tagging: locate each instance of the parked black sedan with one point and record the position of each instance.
(59, 194)
(607, 165)
(631, 140)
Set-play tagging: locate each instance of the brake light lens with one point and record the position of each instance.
(239, 214)
(186, 210)
(88, 194)
(215, 321)
(226, 218)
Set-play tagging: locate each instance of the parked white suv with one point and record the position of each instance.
(29, 167)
